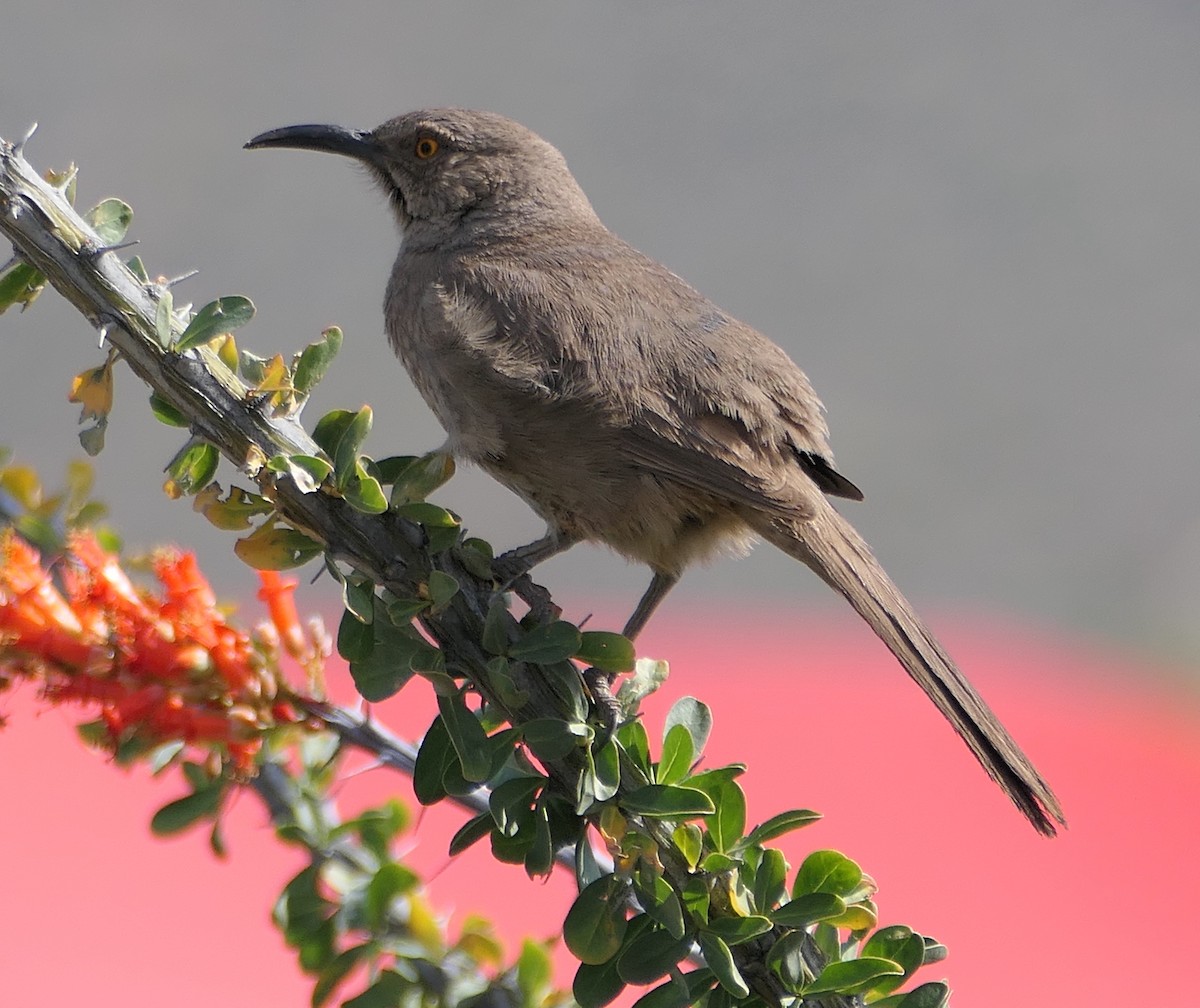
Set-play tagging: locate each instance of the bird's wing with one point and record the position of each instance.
(691, 393)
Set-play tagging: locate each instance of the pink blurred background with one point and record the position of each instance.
(101, 913)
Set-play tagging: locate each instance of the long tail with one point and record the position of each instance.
(830, 546)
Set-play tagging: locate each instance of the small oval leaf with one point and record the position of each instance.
(595, 924)
(667, 800)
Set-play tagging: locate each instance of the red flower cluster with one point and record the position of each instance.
(162, 667)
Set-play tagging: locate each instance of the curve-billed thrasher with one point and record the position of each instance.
(620, 403)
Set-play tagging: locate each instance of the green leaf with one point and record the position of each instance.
(220, 316)
(660, 900)
(808, 909)
(899, 944)
(678, 992)
(330, 429)
(20, 284)
(165, 413)
(235, 511)
(110, 219)
(162, 756)
(551, 739)
(415, 478)
(677, 755)
(735, 930)
(597, 985)
(502, 682)
(194, 466)
(345, 452)
(313, 361)
(358, 596)
(825, 936)
(394, 655)
(632, 738)
(441, 526)
(770, 879)
(390, 881)
(827, 871)
(308, 472)
(402, 610)
(539, 858)
(301, 911)
(183, 812)
(551, 642)
(720, 960)
(725, 826)
(355, 637)
(442, 589)
(690, 841)
(605, 767)
(667, 800)
(653, 954)
(388, 990)
(92, 439)
(587, 867)
(696, 898)
(216, 840)
(717, 862)
(495, 627)
(363, 492)
(434, 758)
(476, 556)
(711, 781)
(138, 269)
(276, 547)
(780, 824)
(852, 976)
(534, 972)
(928, 995)
(787, 960)
(608, 652)
(253, 368)
(935, 951)
(595, 924)
(471, 833)
(336, 972)
(164, 317)
(648, 675)
(696, 717)
(510, 802)
(468, 737)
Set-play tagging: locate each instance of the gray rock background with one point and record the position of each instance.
(974, 225)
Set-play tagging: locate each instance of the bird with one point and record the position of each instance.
(621, 404)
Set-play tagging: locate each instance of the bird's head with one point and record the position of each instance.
(449, 169)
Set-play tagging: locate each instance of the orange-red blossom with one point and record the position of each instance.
(162, 666)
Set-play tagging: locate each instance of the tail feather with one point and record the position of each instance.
(829, 545)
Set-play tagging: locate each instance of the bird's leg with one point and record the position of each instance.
(661, 583)
(512, 564)
(511, 570)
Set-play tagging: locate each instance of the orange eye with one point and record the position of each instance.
(426, 147)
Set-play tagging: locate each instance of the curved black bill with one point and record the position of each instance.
(330, 139)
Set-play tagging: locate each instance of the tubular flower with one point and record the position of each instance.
(162, 666)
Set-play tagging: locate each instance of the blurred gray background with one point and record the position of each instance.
(974, 225)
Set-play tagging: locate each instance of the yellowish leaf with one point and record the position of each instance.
(93, 390)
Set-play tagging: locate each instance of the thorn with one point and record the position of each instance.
(179, 279)
(19, 146)
(104, 330)
(72, 172)
(16, 260)
(99, 250)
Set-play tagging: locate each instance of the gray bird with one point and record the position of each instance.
(619, 402)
